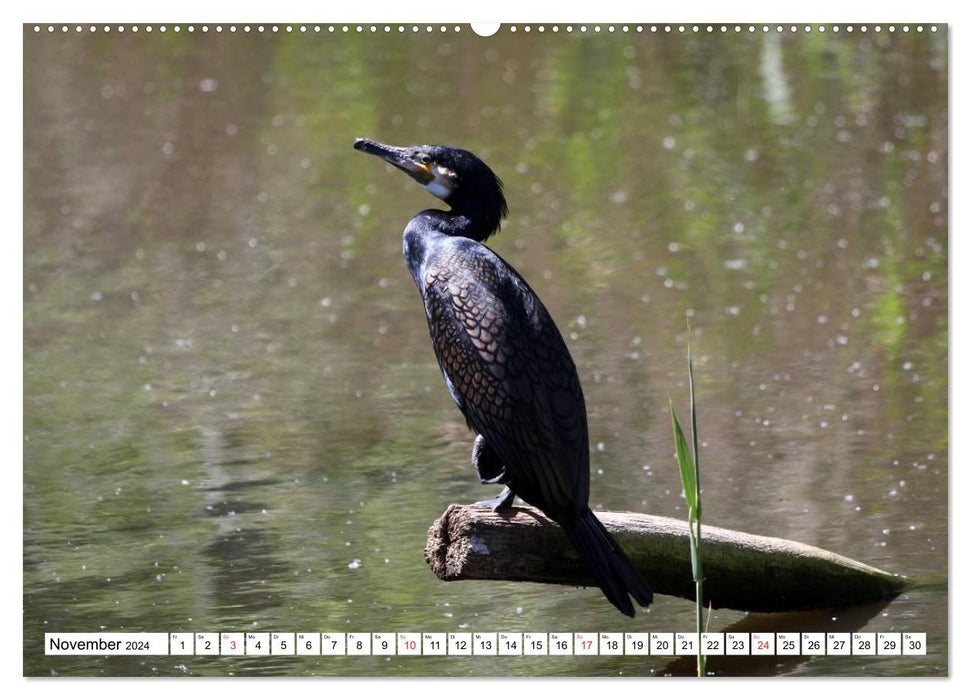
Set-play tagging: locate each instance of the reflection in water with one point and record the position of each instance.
(822, 621)
(232, 418)
(777, 92)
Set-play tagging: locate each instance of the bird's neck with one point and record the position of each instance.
(428, 230)
(464, 222)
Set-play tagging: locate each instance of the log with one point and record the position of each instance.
(742, 571)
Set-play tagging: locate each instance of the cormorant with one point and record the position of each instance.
(504, 361)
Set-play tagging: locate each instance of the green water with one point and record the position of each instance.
(233, 419)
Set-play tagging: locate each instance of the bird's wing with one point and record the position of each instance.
(511, 374)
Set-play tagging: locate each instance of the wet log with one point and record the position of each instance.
(742, 571)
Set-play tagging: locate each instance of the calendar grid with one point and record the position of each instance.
(669, 644)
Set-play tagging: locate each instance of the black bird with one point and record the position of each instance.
(504, 361)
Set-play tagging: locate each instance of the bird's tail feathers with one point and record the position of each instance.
(616, 576)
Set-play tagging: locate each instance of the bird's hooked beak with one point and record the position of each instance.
(401, 158)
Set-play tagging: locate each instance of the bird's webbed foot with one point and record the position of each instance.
(488, 465)
(491, 470)
(500, 502)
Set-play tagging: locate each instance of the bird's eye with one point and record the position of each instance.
(425, 158)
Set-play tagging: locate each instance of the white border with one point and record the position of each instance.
(437, 11)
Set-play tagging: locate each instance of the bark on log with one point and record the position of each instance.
(742, 571)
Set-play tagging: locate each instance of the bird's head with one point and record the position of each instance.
(456, 176)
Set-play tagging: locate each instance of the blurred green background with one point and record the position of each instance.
(233, 416)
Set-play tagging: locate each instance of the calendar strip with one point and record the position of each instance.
(486, 644)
